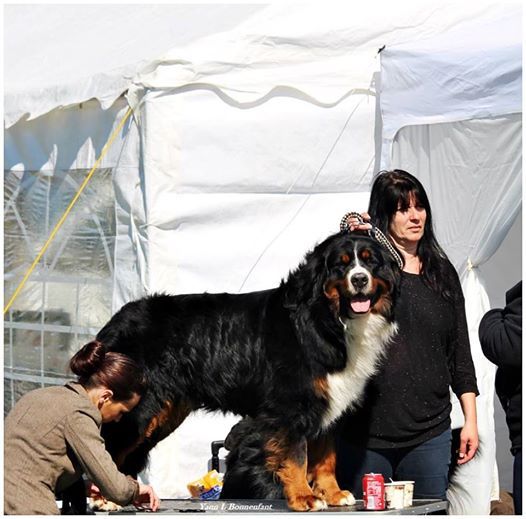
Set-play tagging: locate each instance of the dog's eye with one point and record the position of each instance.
(365, 255)
(345, 259)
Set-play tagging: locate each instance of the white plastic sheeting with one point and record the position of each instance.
(322, 52)
(472, 171)
(67, 139)
(471, 71)
(68, 296)
(234, 198)
(60, 55)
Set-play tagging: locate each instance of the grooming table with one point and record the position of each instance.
(175, 506)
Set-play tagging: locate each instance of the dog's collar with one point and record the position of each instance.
(374, 233)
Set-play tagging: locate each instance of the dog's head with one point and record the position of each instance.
(361, 277)
(350, 273)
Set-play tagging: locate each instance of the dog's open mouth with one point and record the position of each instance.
(360, 303)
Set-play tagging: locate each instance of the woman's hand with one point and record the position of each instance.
(353, 223)
(92, 490)
(147, 498)
(469, 442)
(469, 436)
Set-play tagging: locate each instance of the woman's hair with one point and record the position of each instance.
(95, 367)
(393, 190)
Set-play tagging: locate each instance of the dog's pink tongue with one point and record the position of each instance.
(360, 306)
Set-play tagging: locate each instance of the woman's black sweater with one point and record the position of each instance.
(408, 401)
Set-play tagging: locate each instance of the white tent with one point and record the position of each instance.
(245, 148)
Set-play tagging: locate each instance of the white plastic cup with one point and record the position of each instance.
(408, 492)
(394, 495)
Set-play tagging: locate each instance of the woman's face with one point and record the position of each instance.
(112, 410)
(407, 225)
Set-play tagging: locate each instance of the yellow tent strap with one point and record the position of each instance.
(68, 210)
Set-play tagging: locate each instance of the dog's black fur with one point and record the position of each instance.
(265, 355)
(246, 472)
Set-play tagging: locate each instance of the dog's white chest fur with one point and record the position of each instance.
(366, 339)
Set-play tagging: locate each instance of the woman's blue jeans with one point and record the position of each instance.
(426, 464)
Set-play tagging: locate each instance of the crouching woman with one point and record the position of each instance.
(52, 435)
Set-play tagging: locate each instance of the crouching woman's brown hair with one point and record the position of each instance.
(96, 367)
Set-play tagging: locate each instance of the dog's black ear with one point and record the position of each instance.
(306, 283)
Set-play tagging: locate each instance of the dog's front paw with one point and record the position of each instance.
(342, 498)
(317, 504)
(100, 504)
(334, 496)
(308, 503)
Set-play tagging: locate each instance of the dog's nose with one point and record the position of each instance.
(359, 280)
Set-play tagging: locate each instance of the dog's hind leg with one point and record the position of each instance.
(322, 472)
(246, 475)
(288, 461)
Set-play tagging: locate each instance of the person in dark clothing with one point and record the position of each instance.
(402, 429)
(500, 334)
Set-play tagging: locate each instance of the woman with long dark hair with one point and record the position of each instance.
(402, 428)
(52, 435)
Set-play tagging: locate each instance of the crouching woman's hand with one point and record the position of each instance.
(147, 498)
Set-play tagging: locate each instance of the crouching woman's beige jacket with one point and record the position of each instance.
(51, 437)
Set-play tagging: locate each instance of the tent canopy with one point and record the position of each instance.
(96, 53)
(59, 55)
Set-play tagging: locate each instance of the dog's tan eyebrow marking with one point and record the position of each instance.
(345, 258)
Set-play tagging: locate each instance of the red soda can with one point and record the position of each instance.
(373, 492)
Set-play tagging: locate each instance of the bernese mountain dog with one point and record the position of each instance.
(290, 360)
